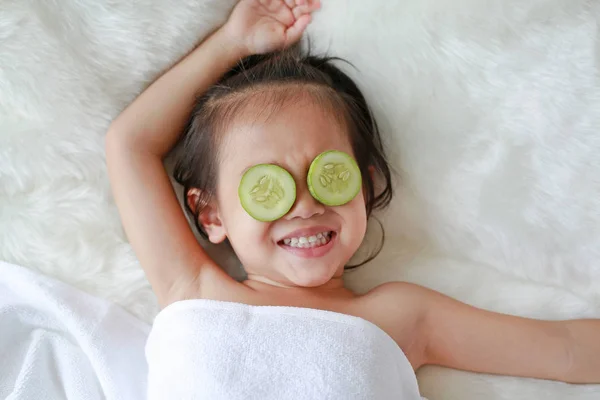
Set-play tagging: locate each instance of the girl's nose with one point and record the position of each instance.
(305, 206)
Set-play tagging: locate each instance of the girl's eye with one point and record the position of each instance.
(267, 192)
(334, 178)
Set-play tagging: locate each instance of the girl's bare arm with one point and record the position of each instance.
(136, 144)
(468, 338)
(457, 335)
(142, 135)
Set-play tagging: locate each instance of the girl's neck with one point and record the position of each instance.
(333, 288)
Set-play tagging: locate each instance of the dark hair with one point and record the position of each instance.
(196, 158)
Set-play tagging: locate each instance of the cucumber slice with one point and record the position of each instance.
(267, 192)
(334, 178)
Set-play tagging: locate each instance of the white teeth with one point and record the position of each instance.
(304, 242)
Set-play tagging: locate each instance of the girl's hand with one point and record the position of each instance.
(262, 26)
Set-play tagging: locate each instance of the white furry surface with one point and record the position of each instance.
(490, 109)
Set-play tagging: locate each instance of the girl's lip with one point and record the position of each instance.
(314, 252)
(305, 232)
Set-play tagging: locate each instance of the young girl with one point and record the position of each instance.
(282, 158)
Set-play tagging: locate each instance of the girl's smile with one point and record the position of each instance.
(313, 246)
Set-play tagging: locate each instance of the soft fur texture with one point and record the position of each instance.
(489, 108)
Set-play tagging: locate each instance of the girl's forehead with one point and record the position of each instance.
(293, 134)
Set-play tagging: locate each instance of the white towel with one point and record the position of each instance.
(205, 349)
(57, 342)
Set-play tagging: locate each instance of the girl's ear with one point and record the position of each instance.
(208, 218)
(211, 221)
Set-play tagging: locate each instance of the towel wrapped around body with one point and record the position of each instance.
(206, 349)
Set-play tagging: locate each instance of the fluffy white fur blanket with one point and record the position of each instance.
(490, 109)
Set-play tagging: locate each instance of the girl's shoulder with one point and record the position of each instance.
(396, 307)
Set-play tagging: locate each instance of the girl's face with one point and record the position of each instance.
(291, 138)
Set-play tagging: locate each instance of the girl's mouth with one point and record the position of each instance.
(313, 246)
(308, 242)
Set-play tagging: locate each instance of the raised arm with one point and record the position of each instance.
(139, 139)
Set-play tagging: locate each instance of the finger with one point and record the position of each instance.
(273, 6)
(306, 8)
(290, 3)
(294, 32)
(299, 11)
(313, 4)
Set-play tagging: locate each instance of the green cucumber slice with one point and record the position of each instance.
(334, 178)
(267, 192)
